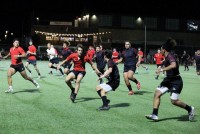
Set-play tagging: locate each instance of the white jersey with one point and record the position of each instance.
(52, 53)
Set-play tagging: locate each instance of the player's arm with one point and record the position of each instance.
(94, 67)
(171, 66)
(6, 55)
(106, 73)
(68, 59)
(120, 60)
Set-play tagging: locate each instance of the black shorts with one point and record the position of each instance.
(113, 84)
(33, 62)
(19, 67)
(174, 84)
(76, 73)
(54, 61)
(67, 65)
(129, 67)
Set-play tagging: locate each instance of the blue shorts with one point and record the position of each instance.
(33, 62)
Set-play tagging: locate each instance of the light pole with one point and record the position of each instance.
(145, 42)
(140, 21)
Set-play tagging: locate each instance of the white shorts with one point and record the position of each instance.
(106, 87)
(163, 90)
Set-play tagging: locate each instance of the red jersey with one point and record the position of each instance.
(159, 57)
(140, 53)
(16, 51)
(90, 53)
(115, 56)
(79, 65)
(32, 49)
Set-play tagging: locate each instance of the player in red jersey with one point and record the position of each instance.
(140, 60)
(17, 53)
(158, 58)
(31, 54)
(115, 55)
(79, 59)
(91, 52)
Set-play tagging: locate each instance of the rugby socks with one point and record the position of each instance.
(155, 111)
(136, 82)
(129, 87)
(61, 71)
(53, 67)
(188, 108)
(99, 92)
(104, 99)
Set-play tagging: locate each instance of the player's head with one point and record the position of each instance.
(114, 50)
(80, 49)
(158, 51)
(127, 44)
(139, 48)
(168, 45)
(49, 45)
(98, 48)
(108, 54)
(16, 42)
(66, 44)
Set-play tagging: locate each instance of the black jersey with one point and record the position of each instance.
(129, 56)
(174, 71)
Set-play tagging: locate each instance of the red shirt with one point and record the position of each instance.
(16, 51)
(32, 49)
(140, 53)
(159, 57)
(115, 56)
(79, 65)
(90, 53)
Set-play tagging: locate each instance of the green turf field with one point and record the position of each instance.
(50, 111)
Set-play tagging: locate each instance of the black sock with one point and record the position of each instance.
(134, 81)
(30, 71)
(72, 89)
(155, 111)
(61, 71)
(38, 73)
(53, 67)
(99, 92)
(129, 87)
(157, 76)
(104, 99)
(188, 108)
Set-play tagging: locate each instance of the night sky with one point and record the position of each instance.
(16, 14)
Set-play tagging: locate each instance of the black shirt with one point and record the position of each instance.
(129, 56)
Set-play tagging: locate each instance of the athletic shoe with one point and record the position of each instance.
(72, 97)
(10, 90)
(147, 68)
(39, 76)
(50, 72)
(36, 84)
(138, 85)
(191, 114)
(130, 92)
(152, 117)
(30, 74)
(103, 108)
